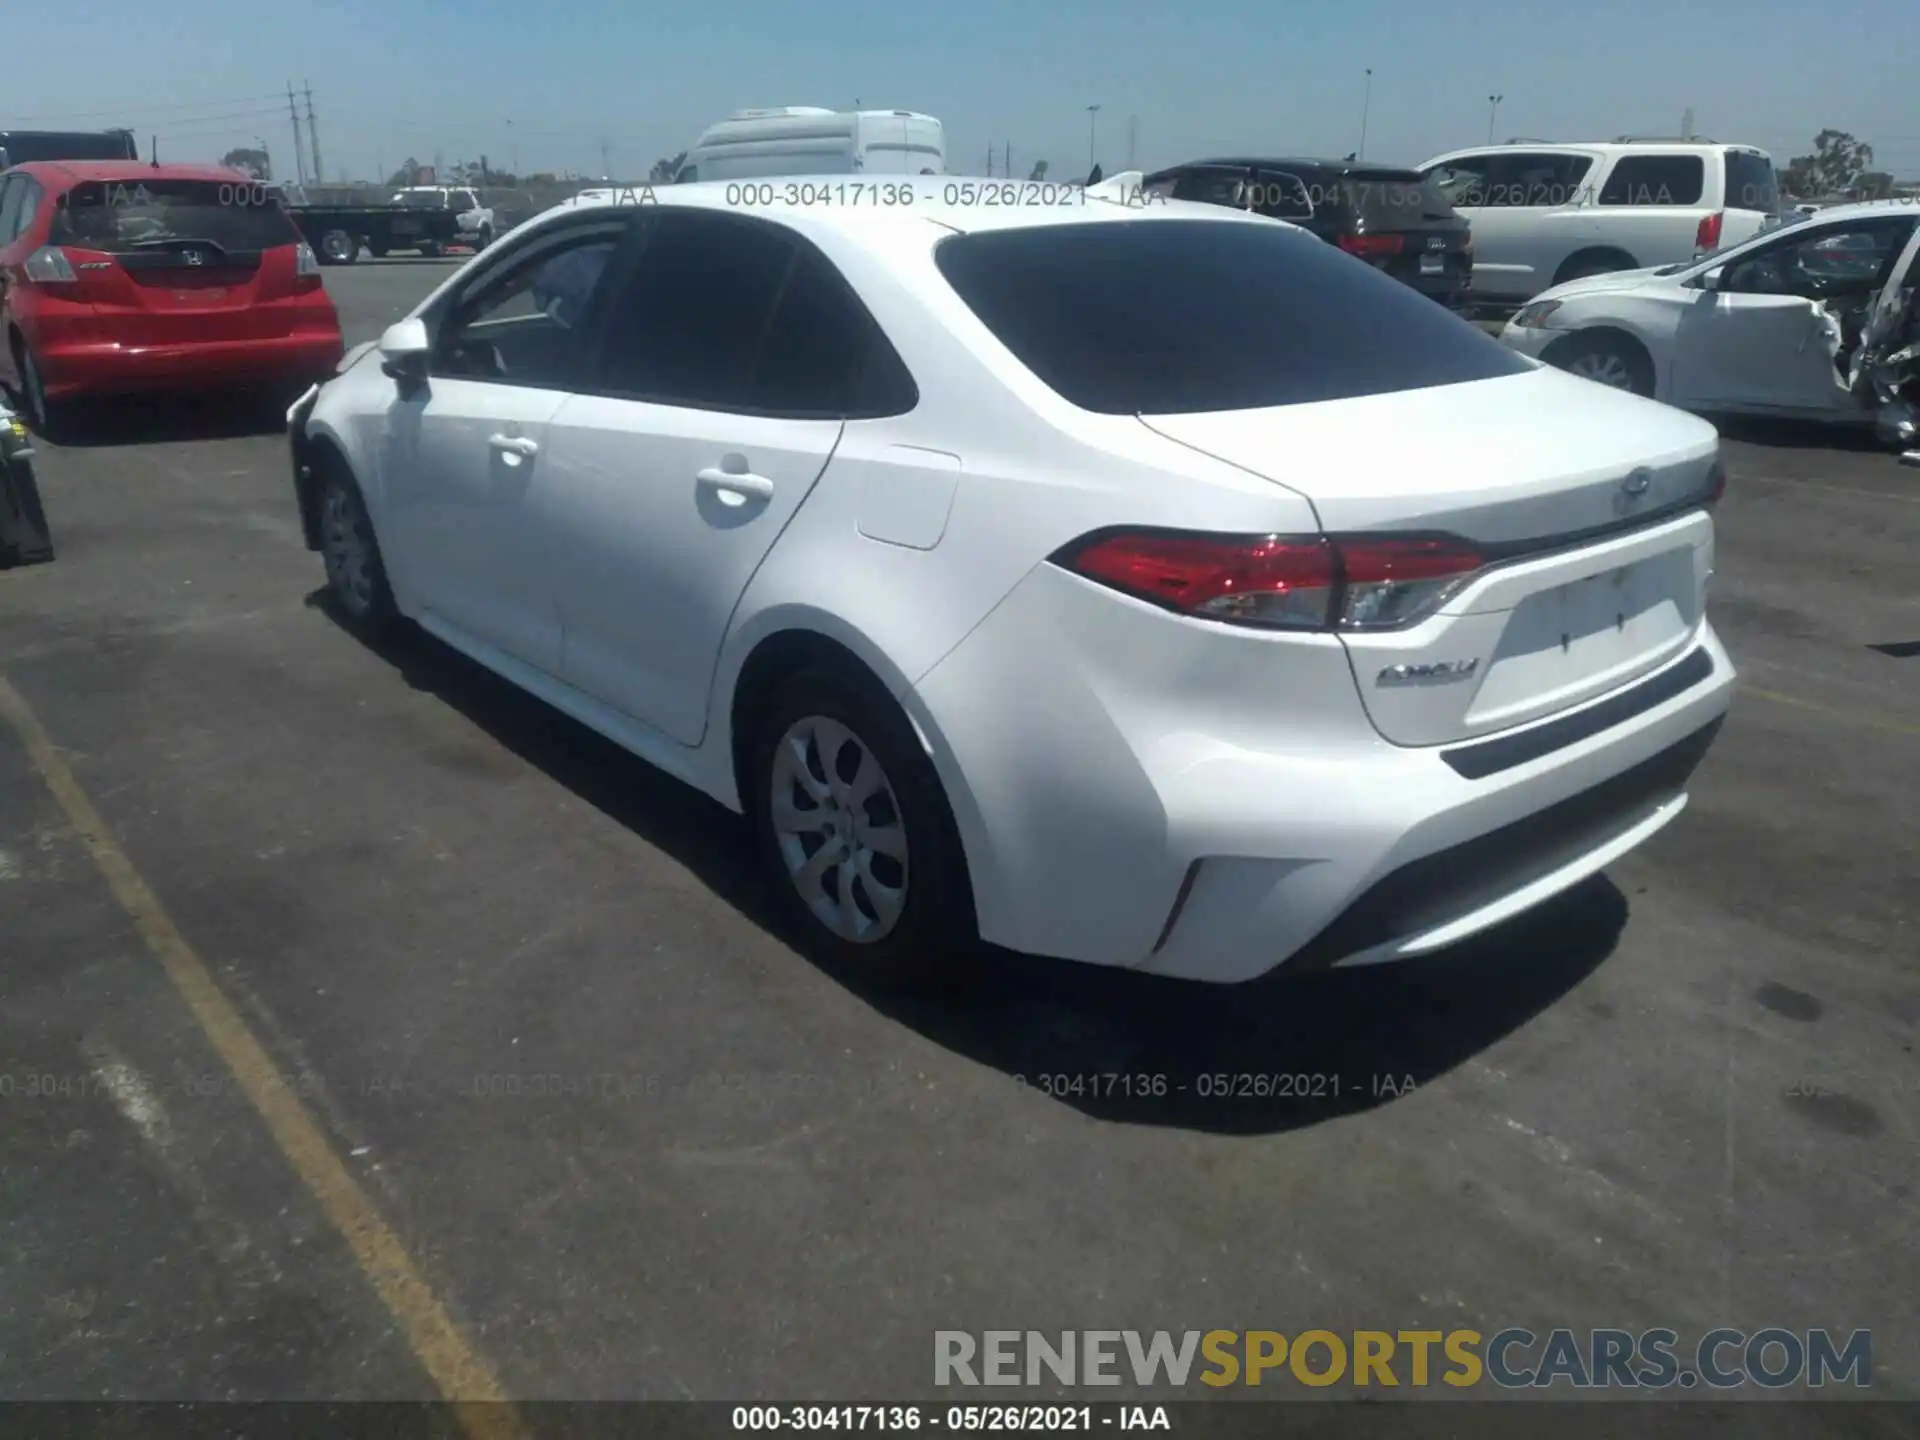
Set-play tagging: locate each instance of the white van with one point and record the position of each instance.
(809, 140)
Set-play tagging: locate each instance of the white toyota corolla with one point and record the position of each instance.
(1145, 584)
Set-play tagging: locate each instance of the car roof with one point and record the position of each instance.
(78, 172)
(862, 208)
(1346, 167)
(1605, 147)
(1855, 210)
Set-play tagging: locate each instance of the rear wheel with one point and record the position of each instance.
(1606, 359)
(1599, 262)
(356, 575)
(855, 832)
(482, 238)
(338, 247)
(432, 249)
(44, 415)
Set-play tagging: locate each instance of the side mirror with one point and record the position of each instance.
(403, 352)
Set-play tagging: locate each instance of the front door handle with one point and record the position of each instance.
(514, 445)
(743, 483)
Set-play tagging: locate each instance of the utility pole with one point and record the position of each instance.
(1007, 168)
(313, 134)
(1093, 137)
(299, 151)
(1493, 109)
(606, 169)
(1366, 104)
(1133, 136)
(989, 159)
(1686, 124)
(266, 158)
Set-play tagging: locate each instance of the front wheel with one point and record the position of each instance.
(1616, 362)
(482, 238)
(856, 834)
(339, 247)
(356, 574)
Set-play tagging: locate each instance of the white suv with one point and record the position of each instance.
(1544, 214)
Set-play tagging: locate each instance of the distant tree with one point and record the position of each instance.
(254, 162)
(1039, 170)
(1874, 185)
(403, 177)
(1835, 166)
(664, 170)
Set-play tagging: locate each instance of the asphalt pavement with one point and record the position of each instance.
(368, 1029)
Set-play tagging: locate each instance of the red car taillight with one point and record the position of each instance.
(49, 266)
(1290, 582)
(1372, 244)
(1707, 237)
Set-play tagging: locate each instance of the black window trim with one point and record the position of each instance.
(1621, 162)
(800, 247)
(508, 259)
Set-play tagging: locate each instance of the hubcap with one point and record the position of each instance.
(348, 550)
(339, 245)
(839, 829)
(1604, 368)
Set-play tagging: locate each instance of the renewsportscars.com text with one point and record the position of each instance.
(1722, 1359)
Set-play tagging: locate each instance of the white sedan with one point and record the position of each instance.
(1146, 584)
(1765, 327)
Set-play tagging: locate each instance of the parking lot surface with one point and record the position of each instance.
(579, 1124)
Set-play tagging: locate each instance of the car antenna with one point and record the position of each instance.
(153, 149)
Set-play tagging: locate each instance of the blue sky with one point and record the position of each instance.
(545, 83)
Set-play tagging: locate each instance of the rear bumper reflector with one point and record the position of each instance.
(1427, 893)
(1490, 757)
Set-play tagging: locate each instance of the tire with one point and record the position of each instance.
(804, 804)
(339, 247)
(1606, 359)
(482, 239)
(432, 249)
(356, 573)
(46, 417)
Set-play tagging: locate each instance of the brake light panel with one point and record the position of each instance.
(1286, 582)
(49, 266)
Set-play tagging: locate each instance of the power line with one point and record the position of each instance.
(123, 111)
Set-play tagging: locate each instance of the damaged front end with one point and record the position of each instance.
(1884, 371)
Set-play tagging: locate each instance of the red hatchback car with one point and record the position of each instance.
(118, 278)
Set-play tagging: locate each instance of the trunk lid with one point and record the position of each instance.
(1584, 502)
(171, 261)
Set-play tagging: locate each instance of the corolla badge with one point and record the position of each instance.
(1437, 673)
(1637, 483)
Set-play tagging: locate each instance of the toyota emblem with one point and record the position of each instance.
(193, 257)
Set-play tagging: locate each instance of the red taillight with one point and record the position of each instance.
(1707, 237)
(1281, 581)
(1372, 244)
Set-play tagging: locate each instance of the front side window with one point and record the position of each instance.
(120, 215)
(527, 325)
(1218, 315)
(1835, 261)
(1283, 195)
(1655, 180)
(726, 313)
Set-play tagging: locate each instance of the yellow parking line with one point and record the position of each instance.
(461, 1375)
(1873, 722)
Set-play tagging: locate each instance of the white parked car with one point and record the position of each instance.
(1272, 615)
(477, 222)
(1543, 214)
(1766, 327)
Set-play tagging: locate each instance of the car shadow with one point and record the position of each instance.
(143, 420)
(1271, 1055)
(1779, 434)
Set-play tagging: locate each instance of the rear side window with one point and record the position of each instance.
(1751, 183)
(1217, 315)
(1655, 180)
(116, 215)
(823, 354)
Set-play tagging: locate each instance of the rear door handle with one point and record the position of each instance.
(744, 484)
(514, 445)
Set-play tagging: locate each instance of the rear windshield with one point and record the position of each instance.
(1751, 183)
(125, 214)
(1171, 316)
(1387, 200)
(423, 199)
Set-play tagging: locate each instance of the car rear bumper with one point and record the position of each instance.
(107, 367)
(1169, 799)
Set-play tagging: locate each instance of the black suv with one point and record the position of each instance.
(1381, 213)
